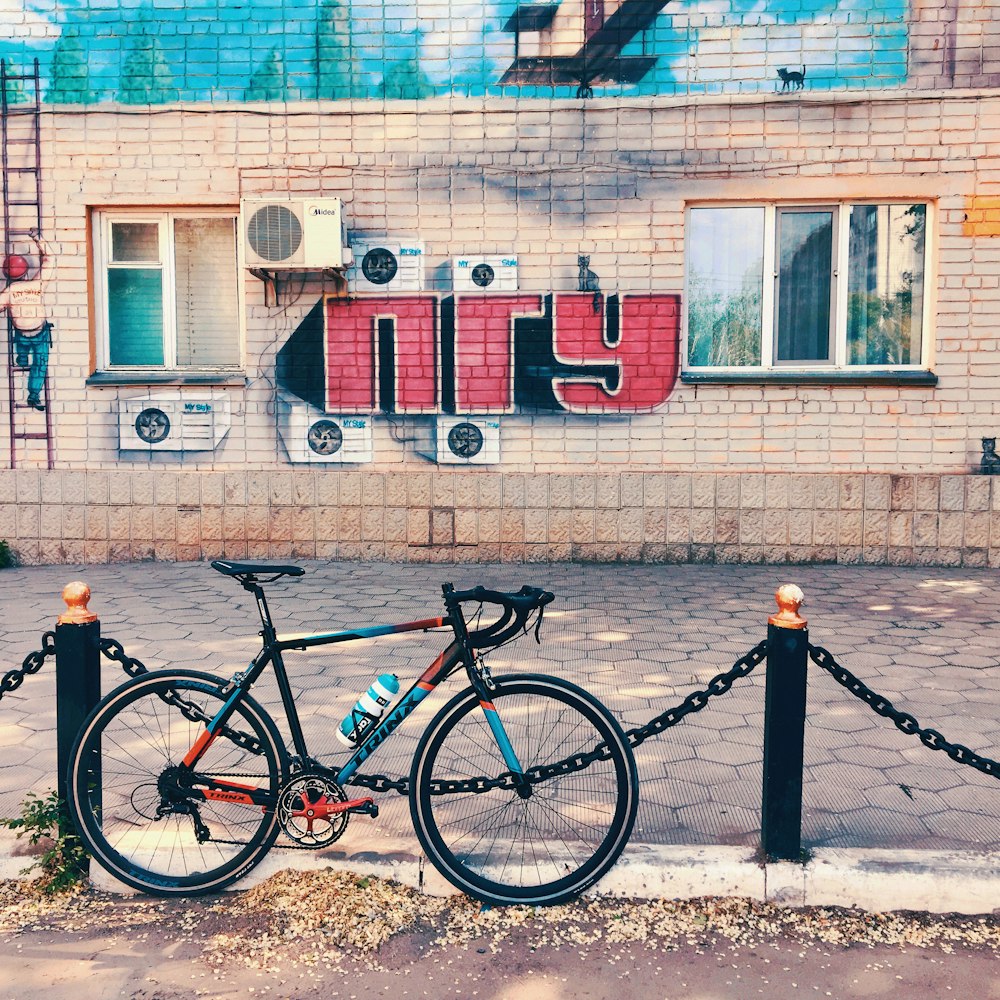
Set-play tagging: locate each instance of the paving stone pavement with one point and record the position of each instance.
(639, 637)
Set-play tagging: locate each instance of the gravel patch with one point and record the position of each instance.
(335, 920)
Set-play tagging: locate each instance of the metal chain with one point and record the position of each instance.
(32, 663)
(381, 783)
(694, 702)
(114, 650)
(902, 720)
(697, 700)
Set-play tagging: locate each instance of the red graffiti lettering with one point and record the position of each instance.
(352, 355)
(625, 362)
(645, 352)
(484, 350)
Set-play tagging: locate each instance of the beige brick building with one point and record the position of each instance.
(821, 394)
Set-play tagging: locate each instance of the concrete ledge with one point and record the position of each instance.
(871, 880)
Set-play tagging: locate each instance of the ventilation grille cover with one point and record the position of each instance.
(274, 232)
(173, 421)
(497, 273)
(386, 266)
(310, 435)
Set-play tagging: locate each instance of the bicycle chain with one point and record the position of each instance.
(694, 702)
(903, 721)
(31, 664)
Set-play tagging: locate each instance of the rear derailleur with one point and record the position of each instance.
(186, 807)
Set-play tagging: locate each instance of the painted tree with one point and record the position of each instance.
(69, 75)
(404, 79)
(270, 81)
(336, 60)
(146, 78)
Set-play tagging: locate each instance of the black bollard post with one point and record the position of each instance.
(784, 728)
(78, 672)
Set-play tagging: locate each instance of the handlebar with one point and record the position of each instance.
(517, 608)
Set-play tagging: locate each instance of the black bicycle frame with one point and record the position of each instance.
(455, 655)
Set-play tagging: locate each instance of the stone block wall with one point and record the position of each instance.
(852, 518)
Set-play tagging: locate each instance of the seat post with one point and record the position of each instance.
(257, 590)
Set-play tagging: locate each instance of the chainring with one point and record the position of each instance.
(302, 810)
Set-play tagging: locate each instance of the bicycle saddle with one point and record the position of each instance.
(249, 571)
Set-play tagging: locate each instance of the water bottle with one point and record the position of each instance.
(367, 710)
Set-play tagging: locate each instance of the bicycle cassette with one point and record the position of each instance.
(313, 810)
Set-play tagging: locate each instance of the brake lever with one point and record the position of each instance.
(538, 623)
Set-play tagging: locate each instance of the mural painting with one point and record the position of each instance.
(30, 330)
(142, 52)
(472, 356)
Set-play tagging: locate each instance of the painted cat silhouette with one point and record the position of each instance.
(588, 281)
(792, 79)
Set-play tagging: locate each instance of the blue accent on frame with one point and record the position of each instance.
(225, 708)
(500, 735)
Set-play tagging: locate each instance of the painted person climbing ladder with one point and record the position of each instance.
(23, 301)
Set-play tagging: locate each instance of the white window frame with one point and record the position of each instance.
(164, 218)
(841, 212)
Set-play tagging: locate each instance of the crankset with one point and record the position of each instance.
(313, 810)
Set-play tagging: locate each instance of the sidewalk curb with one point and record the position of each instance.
(865, 879)
(876, 881)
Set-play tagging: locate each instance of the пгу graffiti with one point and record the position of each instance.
(491, 354)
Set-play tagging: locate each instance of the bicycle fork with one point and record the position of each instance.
(521, 784)
(484, 686)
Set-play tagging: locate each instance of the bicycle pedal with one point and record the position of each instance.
(366, 807)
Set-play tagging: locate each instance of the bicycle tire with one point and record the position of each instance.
(503, 849)
(120, 753)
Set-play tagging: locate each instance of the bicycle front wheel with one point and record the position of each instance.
(506, 846)
(128, 797)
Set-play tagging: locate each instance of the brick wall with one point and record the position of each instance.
(726, 472)
(471, 178)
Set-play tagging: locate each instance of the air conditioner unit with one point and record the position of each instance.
(485, 274)
(462, 440)
(389, 266)
(172, 421)
(303, 234)
(310, 435)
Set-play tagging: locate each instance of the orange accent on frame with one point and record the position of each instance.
(488, 706)
(220, 795)
(200, 746)
(432, 669)
(425, 685)
(237, 784)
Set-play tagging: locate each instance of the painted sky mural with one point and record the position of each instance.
(162, 51)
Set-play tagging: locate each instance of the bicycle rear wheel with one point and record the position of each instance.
(498, 845)
(122, 785)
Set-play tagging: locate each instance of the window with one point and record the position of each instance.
(168, 291)
(785, 287)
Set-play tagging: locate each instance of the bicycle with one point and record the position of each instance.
(522, 789)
